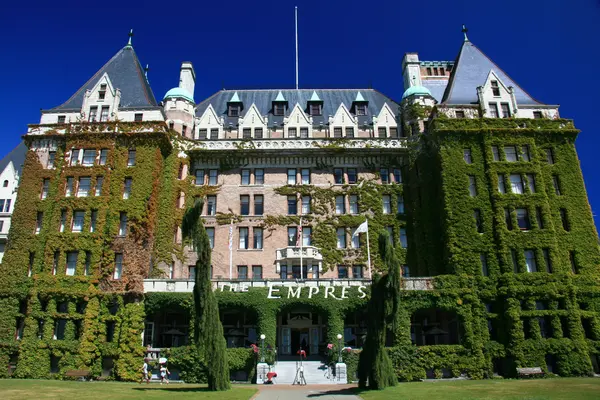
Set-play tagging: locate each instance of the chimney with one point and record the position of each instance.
(411, 70)
(187, 77)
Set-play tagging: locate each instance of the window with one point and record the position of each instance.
(390, 231)
(564, 220)
(340, 205)
(495, 88)
(292, 202)
(505, 110)
(102, 92)
(122, 224)
(304, 133)
(338, 176)
(381, 132)
(257, 272)
(531, 183)
(547, 260)
(242, 272)
(88, 264)
(495, 153)
(403, 238)
(306, 205)
(199, 180)
(243, 242)
(83, 188)
(69, 187)
(357, 272)
(63, 220)
(493, 110)
(93, 114)
(342, 272)
(354, 204)
(400, 204)
(259, 177)
(539, 217)
(210, 232)
(39, 221)
(183, 130)
(459, 114)
(315, 109)
(291, 176)
(341, 238)
(104, 114)
(211, 205)
(515, 261)
(467, 156)
(233, 110)
(292, 235)
(537, 115)
(213, 177)
(74, 157)
(214, 134)
(472, 186)
(245, 175)
(258, 204)
(45, 187)
(72, 262)
(292, 132)
(549, 156)
(55, 261)
(6, 206)
(89, 157)
(138, 117)
(387, 204)
(510, 152)
(429, 71)
(516, 183)
(530, 261)
(77, 223)
(99, 181)
(385, 176)
(393, 132)
(131, 158)
(337, 132)
(352, 177)
(244, 204)
(62, 119)
(397, 175)
(523, 219)
(305, 174)
(556, 184)
(127, 188)
(349, 132)
(278, 109)
(1, 226)
(574, 267)
(247, 133)
(202, 134)
(354, 239)
(103, 156)
(51, 158)
(508, 219)
(478, 220)
(118, 266)
(306, 236)
(257, 234)
(361, 109)
(525, 156)
(93, 220)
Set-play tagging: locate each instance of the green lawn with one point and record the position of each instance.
(530, 389)
(47, 389)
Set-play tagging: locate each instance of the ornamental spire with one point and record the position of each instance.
(130, 36)
(464, 31)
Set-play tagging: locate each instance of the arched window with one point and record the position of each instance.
(5, 184)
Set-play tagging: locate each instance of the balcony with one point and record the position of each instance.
(293, 253)
(187, 285)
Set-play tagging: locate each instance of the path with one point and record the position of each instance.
(316, 392)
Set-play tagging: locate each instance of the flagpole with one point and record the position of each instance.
(231, 249)
(301, 240)
(296, 18)
(368, 252)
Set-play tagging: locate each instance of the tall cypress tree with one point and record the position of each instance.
(210, 342)
(375, 369)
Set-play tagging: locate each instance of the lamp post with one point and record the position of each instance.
(339, 337)
(262, 348)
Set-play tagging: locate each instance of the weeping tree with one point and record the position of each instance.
(208, 333)
(375, 369)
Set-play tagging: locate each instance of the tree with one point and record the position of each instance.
(375, 369)
(208, 335)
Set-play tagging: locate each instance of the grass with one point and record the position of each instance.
(49, 389)
(530, 389)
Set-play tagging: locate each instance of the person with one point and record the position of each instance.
(145, 375)
(164, 372)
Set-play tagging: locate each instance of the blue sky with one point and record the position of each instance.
(49, 49)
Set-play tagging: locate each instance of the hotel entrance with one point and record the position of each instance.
(301, 329)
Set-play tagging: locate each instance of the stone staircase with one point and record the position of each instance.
(315, 373)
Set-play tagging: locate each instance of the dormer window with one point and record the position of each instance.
(61, 119)
(315, 109)
(278, 109)
(495, 88)
(233, 110)
(102, 92)
(361, 109)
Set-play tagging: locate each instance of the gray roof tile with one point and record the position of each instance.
(436, 87)
(17, 156)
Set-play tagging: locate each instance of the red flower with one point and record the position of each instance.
(330, 346)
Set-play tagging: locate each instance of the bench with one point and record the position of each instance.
(529, 371)
(82, 374)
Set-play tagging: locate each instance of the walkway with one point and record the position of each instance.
(316, 392)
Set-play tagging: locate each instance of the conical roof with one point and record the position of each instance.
(125, 73)
(471, 70)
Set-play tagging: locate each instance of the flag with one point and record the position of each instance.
(364, 227)
(299, 238)
(231, 235)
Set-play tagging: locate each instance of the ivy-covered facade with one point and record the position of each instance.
(477, 183)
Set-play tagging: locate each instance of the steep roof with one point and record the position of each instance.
(125, 73)
(471, 70)
(17, 156)
(331, 98)
(437, 87)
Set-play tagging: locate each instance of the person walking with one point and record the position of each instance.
(164, 372)
(145, 375)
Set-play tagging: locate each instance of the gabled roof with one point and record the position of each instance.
(280, 97)
(471, 70)
(17, 156)
(125, 73)
(359, 97)
(331, 98)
